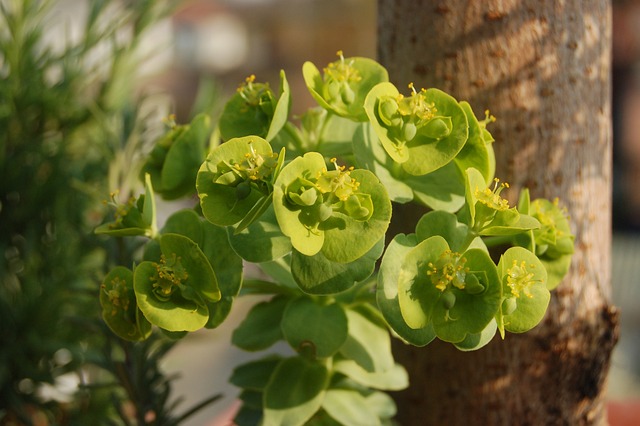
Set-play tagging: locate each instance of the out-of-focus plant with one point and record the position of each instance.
(70, 120)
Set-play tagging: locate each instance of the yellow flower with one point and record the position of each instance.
(519, 279)
(491, 197)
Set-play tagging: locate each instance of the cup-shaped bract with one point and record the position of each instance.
(341, 212)
(344, 84)
(173, 292)
(553, 242)
(133, 218)
(422, 131)
(235, 177)
(214, 243)
(176, 157)
(458, 293)
(488, 213)
(478, 150)
(524, 289)
(119, 308)
(255, 110)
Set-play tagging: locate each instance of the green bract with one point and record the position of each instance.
(176, 157)
(524, 288)
(478, 151)
(423, 131)
(234, 183)
(214, 244)
(488, 213)
(119, 308)
(442, 189)
(344, 84)
(255, 110)
(552, 242)
(173, 293)
(459, 293)
(342, 213)
(135, 217)
(387, 292)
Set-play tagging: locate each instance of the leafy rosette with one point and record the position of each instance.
(173, 292)
(553, 242)
(235, 182)
(423, 131)
(344, 84)
(458, 294)
(487, 213)
(133, 218)
(176, 157)
(339, 213)
(524, 289)
(255, 110)
(119, 308)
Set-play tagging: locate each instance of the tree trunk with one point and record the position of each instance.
(543, 70)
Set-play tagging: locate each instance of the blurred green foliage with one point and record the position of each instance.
(68, 116)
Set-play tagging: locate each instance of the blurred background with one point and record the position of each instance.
(194, 56)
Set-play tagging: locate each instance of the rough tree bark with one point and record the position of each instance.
(542, 67)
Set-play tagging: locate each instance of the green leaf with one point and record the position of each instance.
(392, 379)
(228, 269)
(305, 383)
(319, 275)
(523, 279)
(280, 270)
(387, 292)
(503, 224)
(442, 189)
(456, 234)
(262, 241)
(149, 206)
(261, 328)
(371, 155)
(281, 112)
(309, 325)
(178, 175)
(255, 375)
(119, 308)
(336, 135)
(368, 344)
(349, 407)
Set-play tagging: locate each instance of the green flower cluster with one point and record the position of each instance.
(310, 205)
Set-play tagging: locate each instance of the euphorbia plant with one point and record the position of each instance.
(311, 205)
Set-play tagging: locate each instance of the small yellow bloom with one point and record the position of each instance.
(519, 279)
